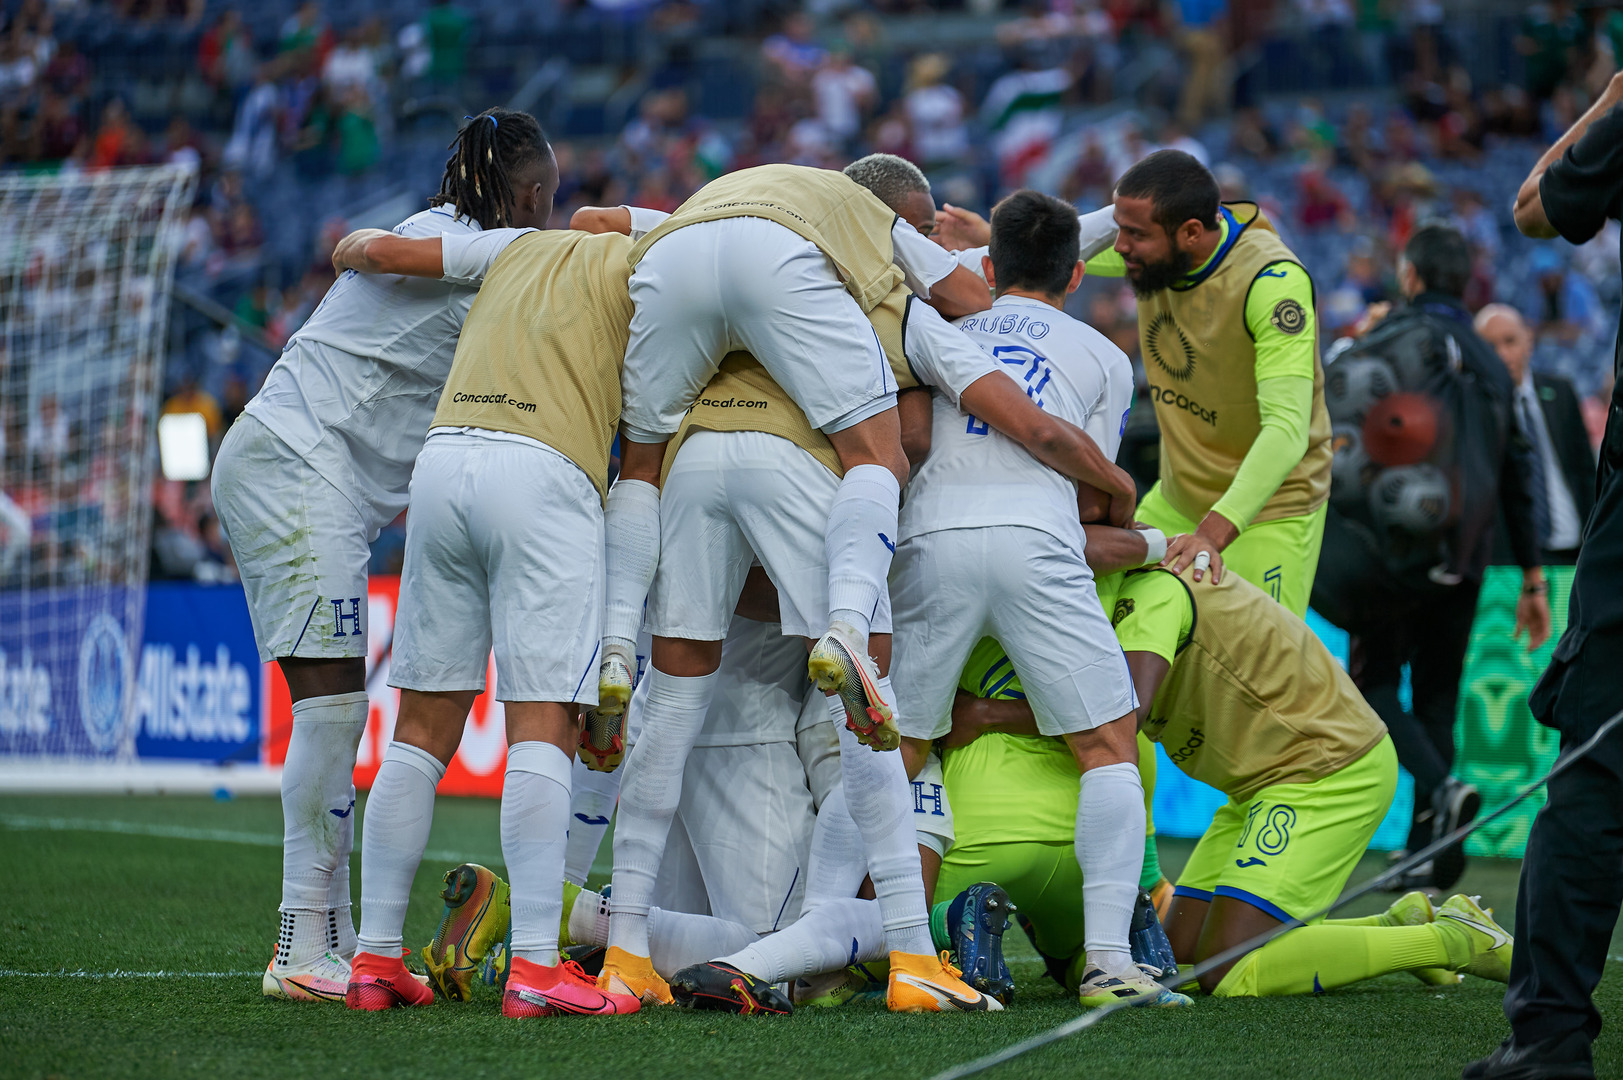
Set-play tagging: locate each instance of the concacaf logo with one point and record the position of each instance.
(1171, 351)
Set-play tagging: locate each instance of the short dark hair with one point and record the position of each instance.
(1036, 243)
(1441, 255)
(1179, 188)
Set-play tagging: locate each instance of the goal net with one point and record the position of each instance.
(86, 266)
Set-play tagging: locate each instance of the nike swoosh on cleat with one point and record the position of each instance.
(605, 1007)
(1499, 937)
(942, 995)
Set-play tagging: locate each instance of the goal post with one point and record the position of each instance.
(86, 270)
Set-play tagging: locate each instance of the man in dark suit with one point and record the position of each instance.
(1547, 411)
(1572, 875)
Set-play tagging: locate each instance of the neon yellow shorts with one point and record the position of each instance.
(1289, 849)
(1279, 557)
(1042, 879)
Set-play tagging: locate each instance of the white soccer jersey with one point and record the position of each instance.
(357, 385)
(976, 477)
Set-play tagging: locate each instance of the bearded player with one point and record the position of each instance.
(319, 463)
(991, 544)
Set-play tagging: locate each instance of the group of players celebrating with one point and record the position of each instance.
(869, 640)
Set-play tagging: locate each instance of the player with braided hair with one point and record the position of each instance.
(319, 463)
(479, 177)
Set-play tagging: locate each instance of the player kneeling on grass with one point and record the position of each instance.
(504, 547)
(1246, 698)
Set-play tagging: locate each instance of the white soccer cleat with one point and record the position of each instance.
(1132, 987)
(319, 978)
(839, 665)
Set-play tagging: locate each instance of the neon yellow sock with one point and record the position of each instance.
(1150, 874)
(1321, 957)
(1382, 919)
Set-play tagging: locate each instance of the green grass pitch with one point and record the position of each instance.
(105, 884)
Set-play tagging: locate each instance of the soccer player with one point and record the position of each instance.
(504, 547)
(751, 478)
(991, 544)
(794, 259)
(1227, 329)
(319, 463)
(1246, 699)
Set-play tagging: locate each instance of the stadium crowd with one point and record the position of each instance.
(296, 113)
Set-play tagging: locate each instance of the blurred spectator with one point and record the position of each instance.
(225, 54)
(445, 32)
(1564, 305)
(935, 112)
(1550, 35)
(49, 433)
(1548, 413)
(792, 55)
(192, 398)
(1202, 36)
(845, 94)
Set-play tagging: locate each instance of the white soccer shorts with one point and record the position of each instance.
(301, 547)
(1031, 591)
(747, 283)
(733, 497)
(504, 547)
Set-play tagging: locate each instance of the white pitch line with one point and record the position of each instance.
(6, 973)
(25, 823)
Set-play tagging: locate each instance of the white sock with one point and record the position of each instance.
(836, 935)
(318, 820)
(859, 541)
(837, 862)
(679, 940)
(672, 715)
(592, 795)
(1110, 849)
(631, 554)
(879, 797)
(589, 919)
(399, 813)
(535, 819)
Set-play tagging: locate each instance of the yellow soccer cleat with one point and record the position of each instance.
(838, 665)
(624, 973)
(1490, 942)
(1414, 909)
(478, 910)
(928, 983)
(614, 684)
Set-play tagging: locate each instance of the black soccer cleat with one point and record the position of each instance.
(1150, 947)
(724, 988)
(978, 943)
